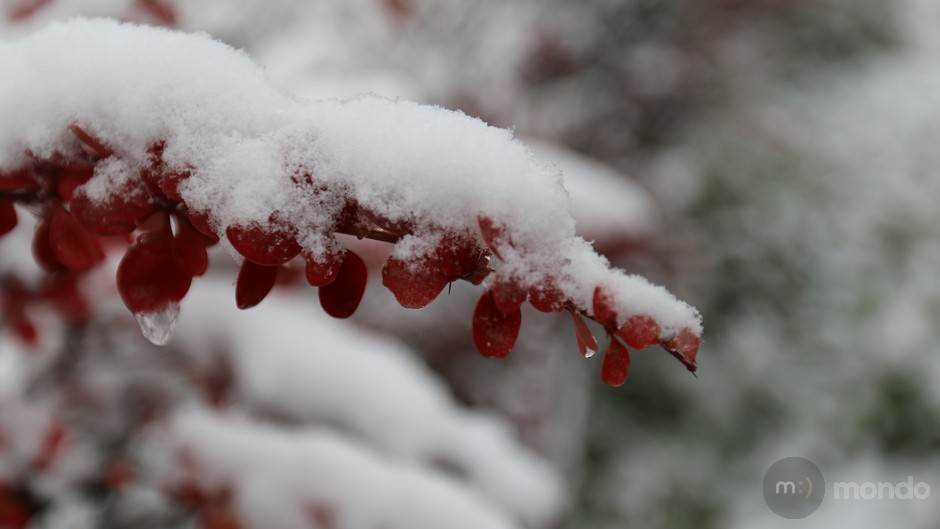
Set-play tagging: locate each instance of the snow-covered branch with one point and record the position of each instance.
(116, 128)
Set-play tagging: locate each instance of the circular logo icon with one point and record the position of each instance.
(794, 487)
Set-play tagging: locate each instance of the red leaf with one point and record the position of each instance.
(640, 331)
(151, 274)
(587, 344)
(341, 298)
(90, 144)
(414, 285)
(616, 364)
(200, 222)
(508, 296)
(263, 246)
(192, 247)
(684, 346)
(254, 283)
(118, 213)
(74, 246)
(603, 312)
(322, 272)
(547, 297)
(8, 219)
(494, 332)
(42, 248)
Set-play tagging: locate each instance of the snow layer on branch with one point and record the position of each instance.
(294, 362)
(279, 474)
(247, 145)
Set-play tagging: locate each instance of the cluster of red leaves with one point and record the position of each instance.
(171, 241)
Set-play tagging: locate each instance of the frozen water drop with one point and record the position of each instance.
(157, 326)
(588, 352)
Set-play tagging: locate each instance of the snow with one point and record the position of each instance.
(243, 141)
(296, 363)
(280, 474)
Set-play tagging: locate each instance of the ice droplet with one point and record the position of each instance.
(588, 352)
(157, 326)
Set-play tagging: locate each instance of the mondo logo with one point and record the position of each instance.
(794, 487)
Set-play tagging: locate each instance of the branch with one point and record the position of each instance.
(206, 142)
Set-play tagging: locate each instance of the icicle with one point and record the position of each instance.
(157, 326)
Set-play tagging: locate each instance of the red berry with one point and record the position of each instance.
(263, 246)
(640, 331)
(547, 297)
(616, 364)
(74, 246)
(192, 247)
(152, 274)
(7, 217)
(42, 247)
(587, 344)
(684, 346)
(414, 285)
(341, 298)
(508, 296)
(494, 332)
(322, 272)
(254, 283)
(603, 312)
(118, 213)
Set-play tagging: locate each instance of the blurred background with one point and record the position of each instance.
(772, 162)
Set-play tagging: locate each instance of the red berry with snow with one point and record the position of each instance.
(547, 297)
(640, 331)
(264, 246)
(684, 346)
(508, 296)
(321, 271)
(118, 213)
(603, 311)
(415, 284)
